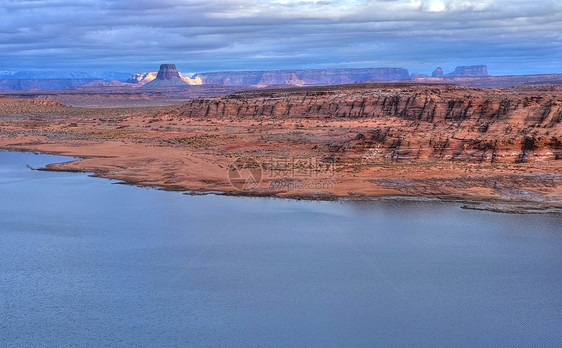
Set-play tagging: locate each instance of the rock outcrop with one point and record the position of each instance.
(423, 121)
(167, 76)
(470, 71)
(462, 71)
(22, 106)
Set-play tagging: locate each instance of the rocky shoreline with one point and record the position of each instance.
(501, 149)
(497, 206)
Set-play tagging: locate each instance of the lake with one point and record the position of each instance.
(88, 262)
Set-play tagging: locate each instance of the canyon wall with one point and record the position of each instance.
(416, 121)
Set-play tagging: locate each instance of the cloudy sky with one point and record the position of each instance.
(510, 36)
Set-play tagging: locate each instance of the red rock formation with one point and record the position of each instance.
(22, 106)
(417, 121)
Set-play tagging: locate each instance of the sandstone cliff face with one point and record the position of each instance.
(424, 121)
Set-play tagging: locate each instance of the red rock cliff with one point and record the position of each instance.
(424, 121)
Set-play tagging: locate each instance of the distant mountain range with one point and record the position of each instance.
(96, 75)
(237, 78)
(168, 76)
(15, 84)
(301, 77)
(266, 78)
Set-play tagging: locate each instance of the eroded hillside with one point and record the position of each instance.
(412, 122)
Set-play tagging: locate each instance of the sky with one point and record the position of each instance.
(510, 36)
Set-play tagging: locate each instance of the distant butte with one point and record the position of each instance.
(438, 73)
(167, 76)
(470, 71)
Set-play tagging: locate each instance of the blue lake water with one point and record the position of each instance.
(87, 262)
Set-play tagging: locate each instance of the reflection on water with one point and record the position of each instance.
(87, 262)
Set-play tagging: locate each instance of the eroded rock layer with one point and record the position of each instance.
(411, 122)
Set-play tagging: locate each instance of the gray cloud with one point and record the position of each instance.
(513, 36)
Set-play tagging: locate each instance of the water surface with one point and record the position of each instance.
(86, 262)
